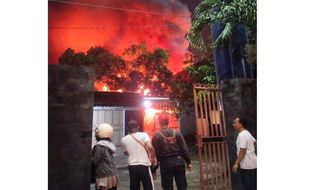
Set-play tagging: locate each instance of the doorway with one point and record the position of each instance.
(134, 114)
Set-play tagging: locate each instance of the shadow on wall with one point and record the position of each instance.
(188, 125)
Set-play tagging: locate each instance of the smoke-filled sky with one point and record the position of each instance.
(80, 27)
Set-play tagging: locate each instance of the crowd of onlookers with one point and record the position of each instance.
(167, 150)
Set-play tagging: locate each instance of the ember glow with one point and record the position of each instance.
(105, 88)
(100, 86)
(149, 115)
(150, 123)
(146, 92)
(80, 27)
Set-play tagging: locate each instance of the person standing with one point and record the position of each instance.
(171, 152)
(141, 155)
(246, 156)
(102, 159)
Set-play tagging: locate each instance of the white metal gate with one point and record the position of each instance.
(114, 116)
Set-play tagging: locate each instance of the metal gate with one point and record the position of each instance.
(114, 116)
(211, 134)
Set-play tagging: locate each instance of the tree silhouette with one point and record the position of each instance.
(144, 70)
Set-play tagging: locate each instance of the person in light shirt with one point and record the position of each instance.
(141, 156)
(246, 156)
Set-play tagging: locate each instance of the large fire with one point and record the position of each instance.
(150, 123)
(159, 23)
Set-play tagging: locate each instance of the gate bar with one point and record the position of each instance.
(211, 143)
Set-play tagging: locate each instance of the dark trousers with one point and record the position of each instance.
(177, 172)
(113, 188)
(249, 179)
(138, 174)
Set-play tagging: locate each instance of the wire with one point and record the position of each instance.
(117, 8)
(105, 27)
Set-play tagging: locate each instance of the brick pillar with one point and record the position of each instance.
(70, 109)
(239, 98)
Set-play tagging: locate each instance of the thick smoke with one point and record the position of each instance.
(119, 29)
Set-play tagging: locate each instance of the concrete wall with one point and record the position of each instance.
(70, 99)
(239, 98)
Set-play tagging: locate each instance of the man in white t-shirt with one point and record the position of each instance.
(246, 156)
(141, 155)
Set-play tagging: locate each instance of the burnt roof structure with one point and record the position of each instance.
(116, 99)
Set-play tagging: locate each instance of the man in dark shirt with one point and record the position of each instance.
(171, 152)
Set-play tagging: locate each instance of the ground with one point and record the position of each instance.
(192, 177)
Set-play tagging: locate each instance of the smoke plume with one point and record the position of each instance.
(160, 23)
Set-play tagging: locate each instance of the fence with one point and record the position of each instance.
(211, 138)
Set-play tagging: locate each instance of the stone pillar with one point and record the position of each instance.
(239, 98)
(70, 109)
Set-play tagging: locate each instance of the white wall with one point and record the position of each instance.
(113, 116)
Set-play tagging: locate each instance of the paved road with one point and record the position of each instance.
(192, 178)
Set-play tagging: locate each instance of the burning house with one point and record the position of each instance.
(118, 109)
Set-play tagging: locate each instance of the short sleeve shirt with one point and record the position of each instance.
(247, 141)
(136, 153)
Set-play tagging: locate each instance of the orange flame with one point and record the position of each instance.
(105, 88)
(101, 86)
(80, 27)
(149, 115)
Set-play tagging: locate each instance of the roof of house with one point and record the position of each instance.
(118, 99)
